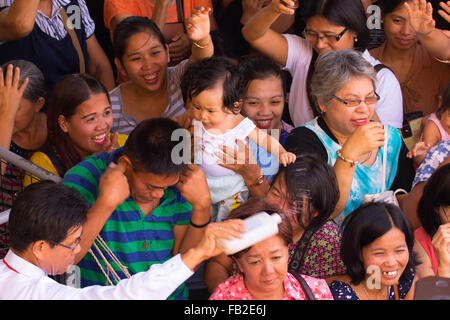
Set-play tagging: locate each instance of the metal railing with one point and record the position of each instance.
(27, 168)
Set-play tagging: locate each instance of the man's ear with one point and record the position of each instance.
(125, 162)
(39, 104)
(37, 248)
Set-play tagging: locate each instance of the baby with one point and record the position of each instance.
(437, 129)
(212, 92)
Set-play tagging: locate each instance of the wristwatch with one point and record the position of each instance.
(259, 181)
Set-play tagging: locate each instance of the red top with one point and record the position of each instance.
(425, 240)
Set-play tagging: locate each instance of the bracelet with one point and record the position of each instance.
(202, 47)
(199, 225)
(340, 156)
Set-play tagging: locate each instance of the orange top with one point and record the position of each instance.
(144, 8)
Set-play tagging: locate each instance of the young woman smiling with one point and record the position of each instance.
(79, 120)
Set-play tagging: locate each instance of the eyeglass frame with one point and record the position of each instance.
(347, 104)
(337, 37)
(77, 242)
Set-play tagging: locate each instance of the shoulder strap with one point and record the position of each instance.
(180, 13)
(298, 256)
(306, 289)
(380, 66)
(51, 154)
(69, 28)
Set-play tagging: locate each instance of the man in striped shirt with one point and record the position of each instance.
(145, 207)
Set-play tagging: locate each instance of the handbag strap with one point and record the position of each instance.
(76, 43)
(383, 180)
(298, 256)
(305, 287)
(180, 13)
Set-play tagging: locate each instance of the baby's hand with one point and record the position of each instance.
(287, 158)
(420, 149)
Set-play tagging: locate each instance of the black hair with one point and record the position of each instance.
(346, 13)
(149, 147)
(312, 186)
(366, 224)
(388, 6)
(129, 27)
(206, 74)
(436, 194)
(445, 103)
(47, 211)
(259, 68)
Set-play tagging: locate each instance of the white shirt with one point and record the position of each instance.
(31, 283)
(389, 108)
(207, 144)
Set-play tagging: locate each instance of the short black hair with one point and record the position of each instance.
(129, 27)
(345, 13)
(366, 224)
(149, 147)
(445, 102)
(388, 6)
(436, 194)
(258, 67)
(47, 211)
(206, 74)
(311, 183)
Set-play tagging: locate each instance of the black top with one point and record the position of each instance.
(303, 140)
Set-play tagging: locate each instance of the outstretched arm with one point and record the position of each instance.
(271, 145)
(258, 33)
(198, 29)
(421, 18)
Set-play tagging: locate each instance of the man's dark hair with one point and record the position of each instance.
(206, 74)
(45, 211)
(149, 147)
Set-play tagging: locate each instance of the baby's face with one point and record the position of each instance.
(208, 108)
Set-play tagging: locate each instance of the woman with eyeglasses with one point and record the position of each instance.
(330, 25)
(345, 134)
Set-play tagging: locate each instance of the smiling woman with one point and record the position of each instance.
(377, 249)
(79, 119)
(345, 134)
(422, 78)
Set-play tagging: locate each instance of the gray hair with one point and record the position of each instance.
(333, 69)
(36, 82)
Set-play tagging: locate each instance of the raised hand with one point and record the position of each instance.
(421, 16)
(363, 140)
(284, 6)
(419, 149)
(198, 24)
(11, 92)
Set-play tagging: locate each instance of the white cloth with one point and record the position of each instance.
(31, 283)
(206, 145)
(389, 108)
(54, 26)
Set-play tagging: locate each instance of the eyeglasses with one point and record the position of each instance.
(75, 244)
(357, 102)
(330, 38)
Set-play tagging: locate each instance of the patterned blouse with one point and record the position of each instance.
(343, 291)
(234, 289)
(320, 256)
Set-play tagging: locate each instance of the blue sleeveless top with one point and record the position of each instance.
(366, 180)
(55, 58)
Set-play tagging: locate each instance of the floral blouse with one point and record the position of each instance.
(321, 254)
(234, 289)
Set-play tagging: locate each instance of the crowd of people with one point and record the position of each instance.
(171, 121)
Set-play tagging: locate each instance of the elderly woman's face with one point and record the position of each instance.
(346, 119)
(265, 267)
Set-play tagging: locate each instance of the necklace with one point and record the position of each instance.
(367, 294)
